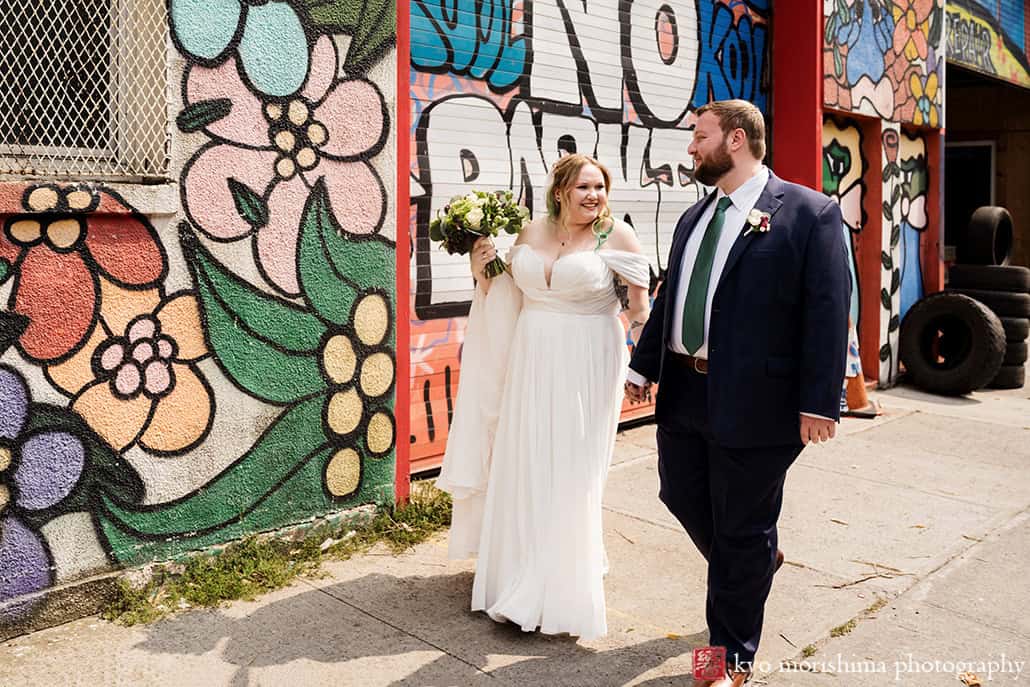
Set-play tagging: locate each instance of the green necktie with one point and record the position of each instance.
(697, 290)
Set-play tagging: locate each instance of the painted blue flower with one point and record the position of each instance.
(38, 470)
(868, 35)
(211, 30)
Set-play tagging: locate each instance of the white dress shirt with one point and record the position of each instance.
(742, 203)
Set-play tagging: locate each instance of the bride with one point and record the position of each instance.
(538, 404)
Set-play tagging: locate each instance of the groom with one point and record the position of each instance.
(747, 340)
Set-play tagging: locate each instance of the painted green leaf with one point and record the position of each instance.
(885, 299)
(936, 21)
(277, 321)
(255, 362)
(252, 207)
(270, 373)
(196, 116)
(885, 352)
(886, 260)
(887, 213)
(894, 323)
(895, 281)
(895, 195)
(895, 235)
(374, 33)
(838, 64)
(5, 270)
(335, 267)
(331, 16)
(238, 497)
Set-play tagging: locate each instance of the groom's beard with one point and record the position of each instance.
(715, 166)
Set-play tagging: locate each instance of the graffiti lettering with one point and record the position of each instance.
(969, 41)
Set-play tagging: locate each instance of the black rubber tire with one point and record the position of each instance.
(988, 239)
(990, 277)
(1015, 353)
(1016, 328)
(1002, 303)
(951, 344)
(1009, 377)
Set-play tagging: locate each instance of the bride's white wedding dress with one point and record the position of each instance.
(538, 403)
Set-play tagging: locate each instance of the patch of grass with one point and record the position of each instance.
(876, 605)
(428, 511)
(245, 569)
(844, 629)
(808, 651)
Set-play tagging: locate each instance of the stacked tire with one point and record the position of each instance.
(985, 275)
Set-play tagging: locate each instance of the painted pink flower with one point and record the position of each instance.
(279, 149)
(912, 24)
(136, 379)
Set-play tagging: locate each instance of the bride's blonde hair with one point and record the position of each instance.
(564, 174)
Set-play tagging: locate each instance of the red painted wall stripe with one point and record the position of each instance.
(402, 129)
(797, 91)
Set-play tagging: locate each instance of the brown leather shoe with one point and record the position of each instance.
(779, 561)
(731, 680)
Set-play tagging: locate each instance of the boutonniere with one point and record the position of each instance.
(758, 221)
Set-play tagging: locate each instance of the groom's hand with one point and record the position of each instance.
(637, 393)
(816, 429)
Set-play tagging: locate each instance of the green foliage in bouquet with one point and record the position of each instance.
(468, 218)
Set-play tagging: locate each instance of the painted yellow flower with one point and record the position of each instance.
(362, 370)
(925, 94)
(136, 380)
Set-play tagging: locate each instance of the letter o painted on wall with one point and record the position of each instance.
(660, 53)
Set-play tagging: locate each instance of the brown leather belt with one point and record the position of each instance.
(689, 362)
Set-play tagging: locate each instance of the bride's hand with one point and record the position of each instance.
(482, 253)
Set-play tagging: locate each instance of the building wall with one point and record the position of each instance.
(883, 94)
(184, 364)
(991, 37)
(499, 94)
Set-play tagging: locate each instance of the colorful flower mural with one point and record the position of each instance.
(843, 180)
(65, 240)
(51, 463)
(884, 58)
(265, 156)
(905, 218)
(234, 375)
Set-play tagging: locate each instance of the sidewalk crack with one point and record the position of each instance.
(386, 622)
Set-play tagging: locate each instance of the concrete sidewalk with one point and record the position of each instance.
(922, 515)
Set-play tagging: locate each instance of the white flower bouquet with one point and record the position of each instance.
(468, 218)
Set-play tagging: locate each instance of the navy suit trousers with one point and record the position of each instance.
(728, 500)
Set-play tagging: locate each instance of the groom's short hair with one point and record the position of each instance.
(740, 114)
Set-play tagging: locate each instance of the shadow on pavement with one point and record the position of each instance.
(408, 619)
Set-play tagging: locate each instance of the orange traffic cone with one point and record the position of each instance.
(858, 401)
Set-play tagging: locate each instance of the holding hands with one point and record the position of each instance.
(637, 393)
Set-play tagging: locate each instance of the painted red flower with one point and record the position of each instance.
(67, 237)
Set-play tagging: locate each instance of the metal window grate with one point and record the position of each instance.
(83, 88)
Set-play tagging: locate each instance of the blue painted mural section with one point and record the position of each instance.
(911, 270)
(455, 38)
(740, 44)
(1011, 16)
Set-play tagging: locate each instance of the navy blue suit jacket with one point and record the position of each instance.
(778, 331)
